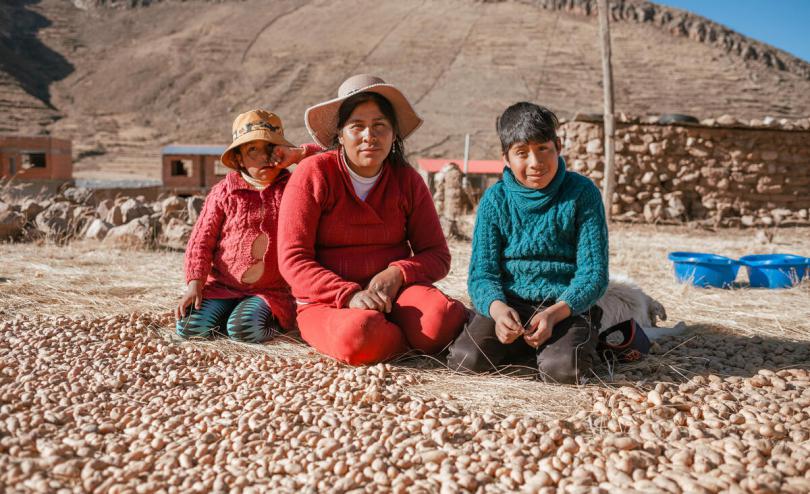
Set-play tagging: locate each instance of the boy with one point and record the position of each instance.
(539, 258)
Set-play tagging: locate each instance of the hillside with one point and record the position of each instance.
(121, 82)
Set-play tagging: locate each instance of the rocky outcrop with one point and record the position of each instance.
(685, 24)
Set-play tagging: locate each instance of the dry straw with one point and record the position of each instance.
(86, 279)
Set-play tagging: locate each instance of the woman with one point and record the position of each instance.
(359, 238)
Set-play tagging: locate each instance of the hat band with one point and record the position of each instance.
(251, 126)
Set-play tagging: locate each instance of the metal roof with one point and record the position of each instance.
(194, 149)
(484, 167)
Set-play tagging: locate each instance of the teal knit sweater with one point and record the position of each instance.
(540, 245)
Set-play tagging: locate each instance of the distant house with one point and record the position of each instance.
(35, 158)
(190, 169)
(480, 173)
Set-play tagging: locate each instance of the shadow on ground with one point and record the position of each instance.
(702, 350)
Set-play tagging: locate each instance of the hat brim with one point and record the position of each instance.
(227, 157)
(322, 119)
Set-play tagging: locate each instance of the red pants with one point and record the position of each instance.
(422, 318)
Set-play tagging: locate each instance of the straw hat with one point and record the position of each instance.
(322, 119)
(255, 125)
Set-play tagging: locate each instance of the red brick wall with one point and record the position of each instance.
(58, 160)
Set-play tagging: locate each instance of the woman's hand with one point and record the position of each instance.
(541, 325)
(284, 156)
(193, 295)
(385, 285)
(507, 322)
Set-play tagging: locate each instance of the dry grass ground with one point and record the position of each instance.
(96, 394)
(81, 278)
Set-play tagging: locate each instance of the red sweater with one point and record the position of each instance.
(331, 243)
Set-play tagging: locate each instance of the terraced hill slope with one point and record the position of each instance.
(121, 82)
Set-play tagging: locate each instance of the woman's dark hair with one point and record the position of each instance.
(524, 122)
(397, 155)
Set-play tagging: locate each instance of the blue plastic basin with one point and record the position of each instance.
(775, 270)
(704, 270)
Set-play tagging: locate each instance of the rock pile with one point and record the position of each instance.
(109, 405)
(453, 198)
(125, 221)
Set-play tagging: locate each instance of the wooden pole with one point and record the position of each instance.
(466, 152)
(608, 181)
(464, 181)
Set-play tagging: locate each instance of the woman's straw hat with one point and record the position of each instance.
(322, 119)
(255, 125)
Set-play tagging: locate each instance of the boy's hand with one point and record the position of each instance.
(193, 295)
(507, 322)
(368, 300)
(284, 156)
(386, 285)
(541, 325)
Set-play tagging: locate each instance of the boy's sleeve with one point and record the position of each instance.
(591, 277)
(203, 238)
(484, 279)
(431, 256)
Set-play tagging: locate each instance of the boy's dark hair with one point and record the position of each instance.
(397, 155)
(524, 122)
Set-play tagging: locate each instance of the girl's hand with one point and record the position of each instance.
(541, 325)
(368, 300)
(507, 322)
(193, 295)
(386, 285)
(284, 156)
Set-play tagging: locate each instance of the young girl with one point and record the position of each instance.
(231, 258)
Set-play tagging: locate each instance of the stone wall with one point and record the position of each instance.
(724, 175)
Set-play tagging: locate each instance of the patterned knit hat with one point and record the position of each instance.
(255, 125)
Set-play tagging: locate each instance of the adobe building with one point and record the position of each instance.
(35, 158)
(480, 173)
(192, 169)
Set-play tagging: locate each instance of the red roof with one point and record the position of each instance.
(473, 166)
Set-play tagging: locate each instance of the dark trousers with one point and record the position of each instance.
(569, 353)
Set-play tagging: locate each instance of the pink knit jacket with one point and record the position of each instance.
(218, 251)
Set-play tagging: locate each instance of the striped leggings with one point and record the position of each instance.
(249, 320)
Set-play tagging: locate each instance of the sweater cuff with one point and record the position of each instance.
(345, 294)
(311, 149)
(577, 305)
(485, 302)
(196, 275)
(408, 272)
